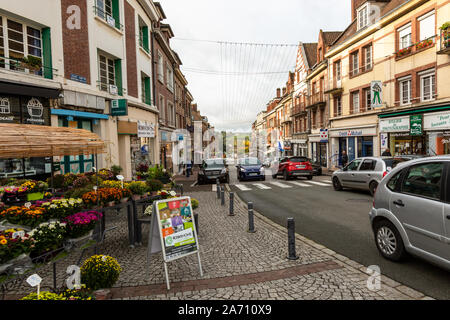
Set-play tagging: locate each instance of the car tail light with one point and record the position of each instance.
(385, 174)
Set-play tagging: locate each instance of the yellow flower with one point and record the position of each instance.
(3, 242)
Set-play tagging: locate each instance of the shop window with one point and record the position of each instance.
(427, 85)
(405, 37)
(405, 90)
(424, 180)
(427, 26)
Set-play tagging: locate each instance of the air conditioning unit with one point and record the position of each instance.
(113, 89)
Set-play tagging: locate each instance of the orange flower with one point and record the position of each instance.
(3, 241)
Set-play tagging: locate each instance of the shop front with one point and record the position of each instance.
(300, 146)
(166, 150)
(30, 107)
(319, 150)
(437, 127)
(356, 142)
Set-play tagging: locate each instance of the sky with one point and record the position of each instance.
(232, 71)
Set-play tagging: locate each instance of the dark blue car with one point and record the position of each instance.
(250, 169)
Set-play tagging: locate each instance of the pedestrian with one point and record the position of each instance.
(344, 158)
(387, 153)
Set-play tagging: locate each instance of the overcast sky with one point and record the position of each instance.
(231, 83)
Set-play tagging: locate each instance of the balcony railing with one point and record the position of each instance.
(111, 88)
(444, 47)
(99, 12)
(20, 66)
(316, 99)
(299, 109)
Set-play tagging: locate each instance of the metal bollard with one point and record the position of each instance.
(218, 188)
(291, 239)
(222, 196)
(231, 204)
(251, 220)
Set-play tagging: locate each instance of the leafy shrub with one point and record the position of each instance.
(194, 203)
(100, 272)
(116, 170)
(138, 187)
(154, 185)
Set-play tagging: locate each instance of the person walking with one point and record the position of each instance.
(344, 158)
(387, 153)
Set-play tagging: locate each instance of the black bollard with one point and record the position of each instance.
(291, 239)
(218, 188)
(251, 220)
(231, 204)
(222, 196)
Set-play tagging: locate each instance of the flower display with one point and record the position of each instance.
(138, 187)
(79, 224)
(403, 52)
(100, 272)
(24, 216)
(13, 243)
(48, 236)
(167, 194)
(44, 295)
(424, 44)
(81, 293)
(61, 208)
(111, 184)
(14, 190)
(103, 195)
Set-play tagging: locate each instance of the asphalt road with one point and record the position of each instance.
(339, 221)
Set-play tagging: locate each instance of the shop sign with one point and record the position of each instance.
(146, 130)
(119, 107)
(324, 135)
(437, 121)
(395, 124)
(416, 125)
(376, 94)
(5, 111)
(35, 111)
(351, 133)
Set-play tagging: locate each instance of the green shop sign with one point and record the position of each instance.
(119, 107)
(416, 125)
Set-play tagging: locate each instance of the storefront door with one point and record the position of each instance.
(351, 149)
(81, 163)
(365, 147)
(342, 147)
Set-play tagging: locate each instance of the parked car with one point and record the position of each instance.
(364, 173)
(213, 169)
(317, 167)
(293, 167)
(411, 211)
(249, 169)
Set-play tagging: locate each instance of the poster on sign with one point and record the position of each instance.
(173, 231)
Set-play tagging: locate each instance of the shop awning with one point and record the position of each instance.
(31, 141)
(15, 88)
(79, 114)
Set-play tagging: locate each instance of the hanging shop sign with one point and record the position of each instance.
(401, 124)
(323, 135)
(146, 130)
(436, 121)
(173, 231)
(376, 94)
(119, 107)
(35, 111)
(416, 125)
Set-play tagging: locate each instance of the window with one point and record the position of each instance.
(107, 72)
(427, 26)
(160, 67)
(104, 9)
(146, 93)
(368, 165)
(424, 180)
(338, 106)
(354, 63)
(353, 166)
(363, 17)
(404, 36)
(143, 35)
(355, 102)
(15, 41)
(405, 91)
(427, 85)
(169, 78)
(162, 109)
(367, 57)
(171, 113)
(34, 42)
(367, 99)
(337, 71)
(392, 184)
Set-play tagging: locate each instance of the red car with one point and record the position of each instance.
(293, 167)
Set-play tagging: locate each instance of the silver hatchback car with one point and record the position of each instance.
(411, 211)
(364, 173)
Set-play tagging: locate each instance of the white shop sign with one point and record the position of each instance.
(401, 124)
(437, 121)
(146, 130)
(353, 132)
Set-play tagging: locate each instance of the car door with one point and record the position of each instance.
(447, 205)
(349, 174)
(282, 165)
(419, 206)
(365, 173)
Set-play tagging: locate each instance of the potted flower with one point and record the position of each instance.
(126, 195)
(80, 224)
(44, 295)
(48, 237)
(15, 245)
(24, 216)
(110, 196)
(100, 272)
(34, 64)
(154, 185)
(61, 208)
(138, 189)
(35, 189)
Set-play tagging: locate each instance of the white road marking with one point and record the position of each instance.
(318, 183)
(301, 184)
(262, 186)
(242, 187)
(281, 185)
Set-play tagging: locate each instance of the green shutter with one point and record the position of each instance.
(118, 72)
(148, 93)
(145, 42)
(47, 53)
(116, 13)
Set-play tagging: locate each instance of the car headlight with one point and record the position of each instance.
(242, 170)
(262, 170)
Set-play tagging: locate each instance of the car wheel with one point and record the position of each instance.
(263, 179)
(373, 188)
(274, 176)
(285, 176)
(310, 177)
(388, 241)
(337, 184)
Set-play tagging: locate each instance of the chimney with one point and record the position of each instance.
(194, 107)
(278, 93)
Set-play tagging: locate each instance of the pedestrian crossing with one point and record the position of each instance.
(283, 185)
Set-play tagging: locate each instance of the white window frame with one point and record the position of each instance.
(356, 95)
(426, 16)
(368, 99)
(431, 74)
(368, 57)
(104, 10)
(338, 66)
(355, 71)
(401, 81)
(169, 79)
(109, 81)
(171, 111)
(363, 21)
(162, 109)
(401, 44)
(338, 106)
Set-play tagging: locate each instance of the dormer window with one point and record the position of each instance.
(363, 16)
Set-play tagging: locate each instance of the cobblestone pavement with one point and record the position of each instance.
(236, 264)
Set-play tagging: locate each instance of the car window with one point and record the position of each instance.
(392, 183)
(424, 180)
(299, 159)
(214, 163)
(249, 162)
(353, 166)
(368, 165)
(392, 163)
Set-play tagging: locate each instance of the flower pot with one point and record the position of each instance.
(70, 243)
(136, 197)
(102, 294)
(111, 204)
(35, 196)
